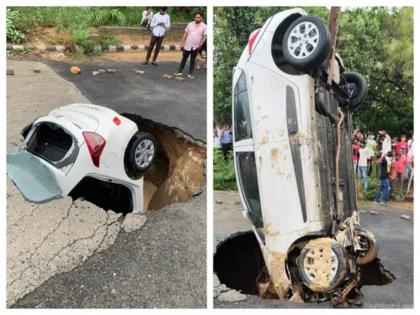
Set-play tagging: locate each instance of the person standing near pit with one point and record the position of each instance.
(146, 17)
(363, 164)
(159, 24)
(193, 39)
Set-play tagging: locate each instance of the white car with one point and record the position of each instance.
(295, 176)
(86, 149)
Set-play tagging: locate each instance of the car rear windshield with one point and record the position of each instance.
(50, 141)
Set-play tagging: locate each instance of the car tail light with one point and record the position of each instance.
(95, 144)
(117, 121)
(252, 39)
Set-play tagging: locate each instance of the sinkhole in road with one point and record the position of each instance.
(239, 264)
(177, 172)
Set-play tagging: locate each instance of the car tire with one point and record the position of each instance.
(307, 50)
(140, 154)
(322, 264)
(372, 252)
(356, 87)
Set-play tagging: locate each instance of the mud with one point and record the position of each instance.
(239, 264)
(178, 171)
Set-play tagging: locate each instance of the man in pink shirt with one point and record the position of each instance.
(193, 39)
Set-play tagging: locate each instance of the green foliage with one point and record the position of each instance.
(374, 41)
(373, 186)
(12, 32)
(224, 172)
(106, 39)
(82, 38)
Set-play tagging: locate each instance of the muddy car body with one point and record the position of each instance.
(92, 148)
(295, 175)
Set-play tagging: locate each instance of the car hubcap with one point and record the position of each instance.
(320, 265)
(144, 153)
(303, 40)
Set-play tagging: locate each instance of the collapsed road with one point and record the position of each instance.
(378, 286)
(61, 235)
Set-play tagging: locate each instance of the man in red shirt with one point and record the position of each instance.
(355, 148)
(402, 146)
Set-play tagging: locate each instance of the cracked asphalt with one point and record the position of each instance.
(45, 243)
(162, 265)
(394, 236)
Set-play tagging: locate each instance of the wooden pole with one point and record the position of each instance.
(333, 27)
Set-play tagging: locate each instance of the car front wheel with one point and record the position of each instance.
(140, 154)
(306, 43)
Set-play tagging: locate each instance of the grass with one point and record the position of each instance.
(224, 171)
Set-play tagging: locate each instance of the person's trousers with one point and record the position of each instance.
(383, 193)
(362, 170)
(226, 147)
(185, 54)
(154, 40)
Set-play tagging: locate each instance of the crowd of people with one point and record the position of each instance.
(393, 160)
(193, 42)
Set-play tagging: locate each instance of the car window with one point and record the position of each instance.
(242, 124)
(249, 185)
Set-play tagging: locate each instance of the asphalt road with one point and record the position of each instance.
(180, 104)
(395, 239)
(162, 265)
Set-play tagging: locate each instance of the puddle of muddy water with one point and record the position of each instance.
(239, 264)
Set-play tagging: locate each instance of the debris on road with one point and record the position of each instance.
(101, 70)
(139, 71)
(10, 72)
(167, 76)
(95, 72)
(75, 70)
(133, 222)
(405, 217)
(111, 70)
(180, 78)
(231, 296)
(372, 212)
(37, 70)
(219, 202)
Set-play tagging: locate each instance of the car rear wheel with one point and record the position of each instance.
(355, 86)
(322, 264)
(140, 154)
(306, 43)
(370, 245)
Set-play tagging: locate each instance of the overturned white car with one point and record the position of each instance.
(292, 148)
(83, 147)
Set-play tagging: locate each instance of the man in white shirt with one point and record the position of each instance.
(363, 163)
(146, 17)
(159, 24)
(386, 142)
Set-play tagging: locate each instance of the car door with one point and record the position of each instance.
(245, 164)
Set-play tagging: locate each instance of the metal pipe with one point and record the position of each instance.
(338, 195)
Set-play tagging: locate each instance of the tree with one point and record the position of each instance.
(374, 41)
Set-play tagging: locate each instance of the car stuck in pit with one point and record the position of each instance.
(83, 145)
(292, 151)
